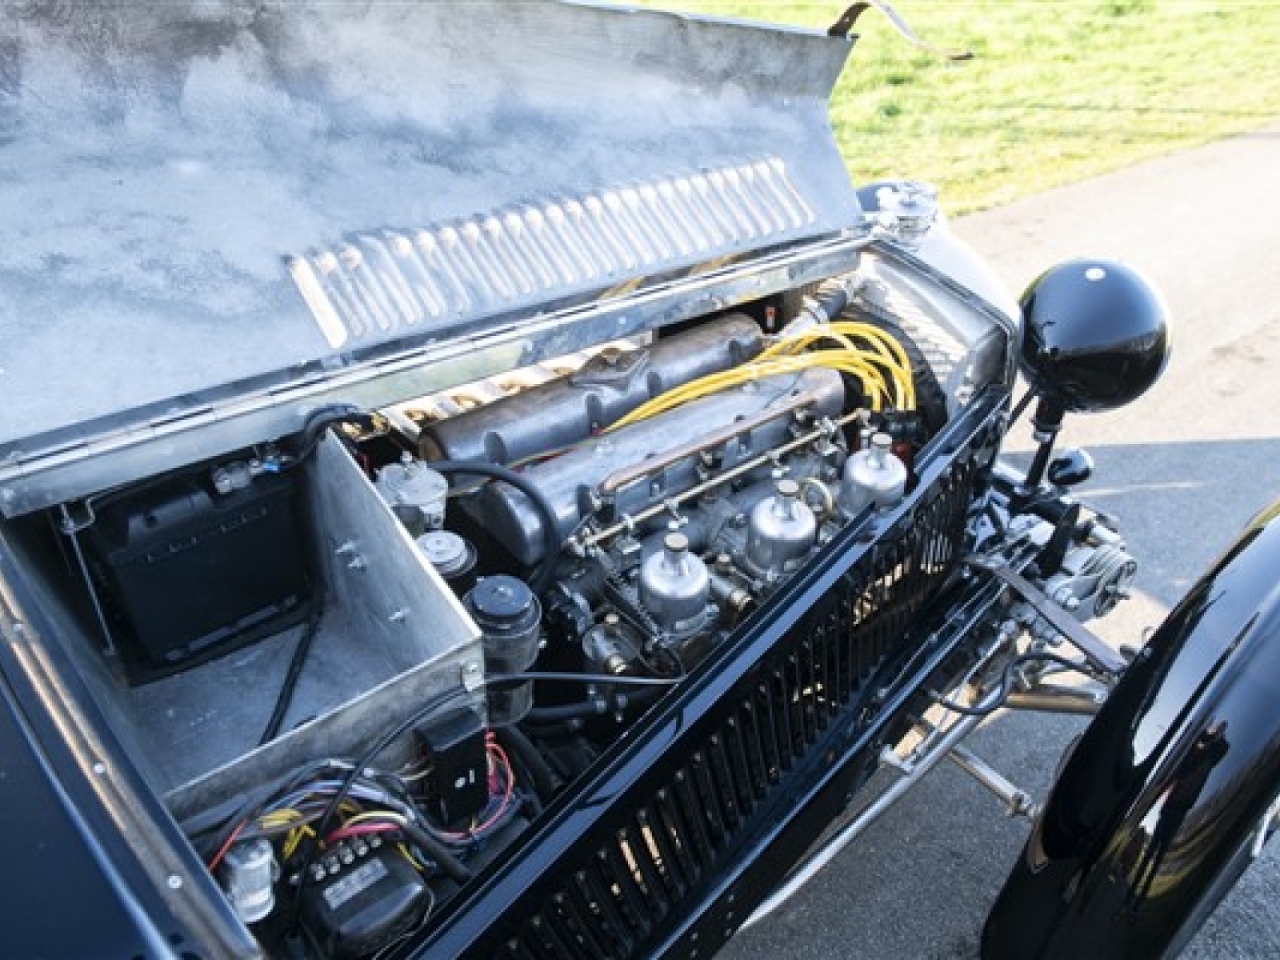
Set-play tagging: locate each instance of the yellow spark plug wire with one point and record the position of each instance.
(881, 366)
(843, 360)
(875, 334)
(884, 349)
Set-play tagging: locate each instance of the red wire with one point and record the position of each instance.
(506, 796)
(360, 828)
(501, 755)
(364, 828)
(509, 774)
(217, 857)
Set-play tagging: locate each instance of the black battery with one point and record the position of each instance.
(187, 572)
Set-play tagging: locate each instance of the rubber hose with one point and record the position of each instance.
(568, 711)
(437, 851)
(832, 299)
(546, 512)
(590, 708)
(545, 780)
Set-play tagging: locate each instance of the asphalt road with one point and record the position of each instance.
(1183, 468)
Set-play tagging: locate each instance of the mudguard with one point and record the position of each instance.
(1161, 804)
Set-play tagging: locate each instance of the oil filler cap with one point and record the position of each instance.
(502, 604)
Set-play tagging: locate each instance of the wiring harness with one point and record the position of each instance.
(295, 815)
(862, 350)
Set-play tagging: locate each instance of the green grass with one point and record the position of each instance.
(1058, 90)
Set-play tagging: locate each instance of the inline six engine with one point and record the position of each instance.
(665, 490)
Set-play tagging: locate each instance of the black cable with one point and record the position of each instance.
(992, 704)
(568, 711)
(589, 708)
(501, 678)
(312, 431)
(314, 426)
(224, 817)
(438, 852)
(545, 781)
(296, 663)
(546, 512)
(451, 865)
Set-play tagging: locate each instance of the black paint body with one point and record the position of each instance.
(104, 870)
(1157, 808)
(1095, 335)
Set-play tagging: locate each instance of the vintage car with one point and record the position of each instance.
(479, 481)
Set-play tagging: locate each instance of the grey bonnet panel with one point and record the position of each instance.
(200, 194)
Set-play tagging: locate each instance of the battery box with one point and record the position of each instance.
(186, 572)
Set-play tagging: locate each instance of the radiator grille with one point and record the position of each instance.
(610, 901)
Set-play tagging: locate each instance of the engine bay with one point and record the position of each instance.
(357, 662)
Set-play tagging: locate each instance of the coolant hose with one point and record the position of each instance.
(545, 780)
(568, 711)
(595, 707)
(820, 304)
(437, 851)
(546, 512)
(832, 298)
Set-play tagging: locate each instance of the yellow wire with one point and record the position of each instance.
(404, 852)
(294, 838)
(704, 386)
(796, 344)
(883, 346)
(852, 362)
(881, 365)
(280, 817)
(881, 342)
(872, 332)
(875, 334)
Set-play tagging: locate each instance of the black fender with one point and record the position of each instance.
(1158, 807)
